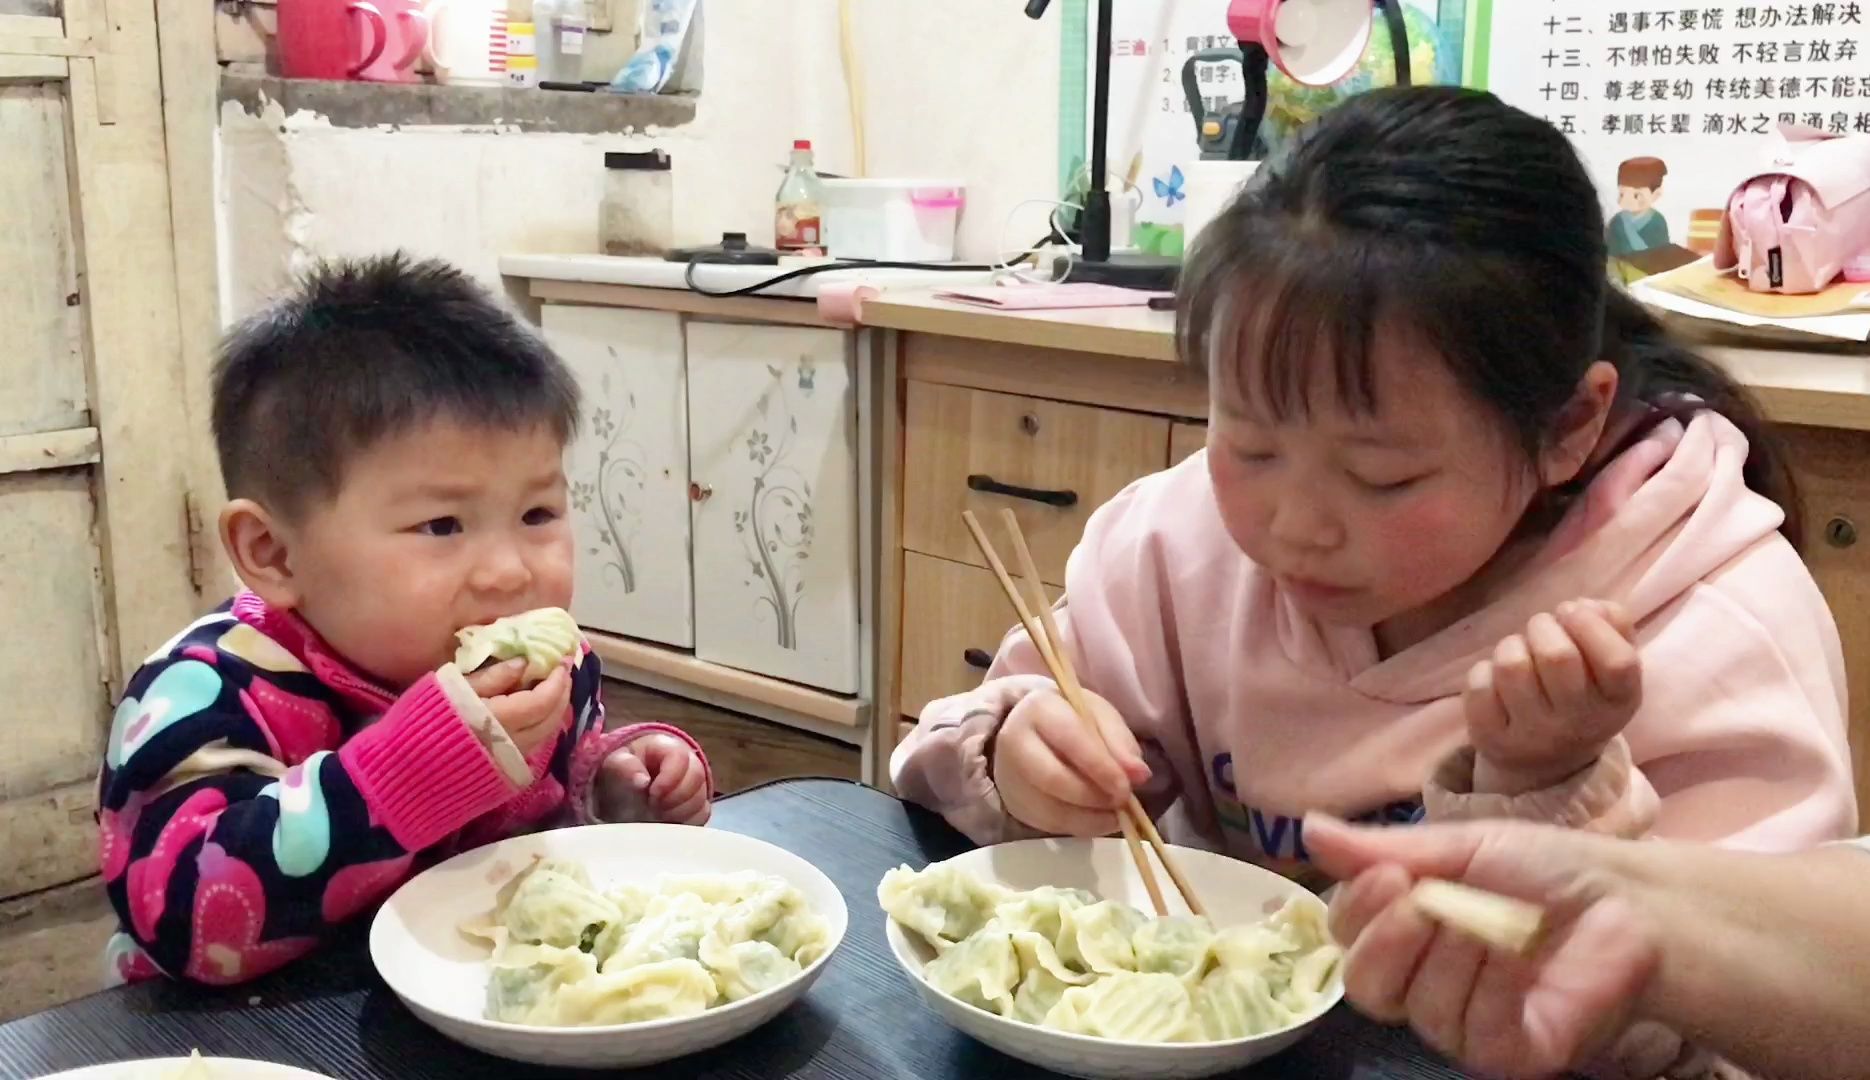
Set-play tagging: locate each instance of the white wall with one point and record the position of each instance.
(963, 89)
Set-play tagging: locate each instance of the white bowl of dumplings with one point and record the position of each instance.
(608, 946)
(1041, 950)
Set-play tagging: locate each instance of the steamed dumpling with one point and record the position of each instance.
(1044, 978)
(1098, 938)
(553, 907)
(1177, 945)
(657, 991)
(942, 904)
(1234, 1003)
(1153, 1008)
(746, 968)
(982, 971)
(526, 979)
(1042, 910)
(543, 637)
(672, 929)
(1311, 976)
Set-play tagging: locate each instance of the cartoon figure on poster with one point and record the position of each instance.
(1638, 226)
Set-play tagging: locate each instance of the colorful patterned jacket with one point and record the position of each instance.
(257, 791)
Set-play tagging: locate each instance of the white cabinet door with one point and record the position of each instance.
(629, 470)
(773, 448)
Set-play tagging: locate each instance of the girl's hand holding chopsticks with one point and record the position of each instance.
(1055, 776)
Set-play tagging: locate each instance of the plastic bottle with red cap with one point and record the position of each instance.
(798, 220)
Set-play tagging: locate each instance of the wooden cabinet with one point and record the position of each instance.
(1835, 485)
(1052, 463)
(714, 488)
(1185, 440)
(629, 470)
(772, 455)
(957, 616)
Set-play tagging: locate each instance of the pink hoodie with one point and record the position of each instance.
(1251, 714)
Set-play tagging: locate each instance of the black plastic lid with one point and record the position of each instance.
(653, 161)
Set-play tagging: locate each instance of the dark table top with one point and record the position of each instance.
(330, 1014)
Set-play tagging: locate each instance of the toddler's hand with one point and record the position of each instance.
(1495, 1013)
(531, 717)
(1056, 776)
(659, 771)
(1550, 699)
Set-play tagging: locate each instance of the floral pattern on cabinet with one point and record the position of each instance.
(628, 470)
(615, 494)
(776, 525)
(773, 455)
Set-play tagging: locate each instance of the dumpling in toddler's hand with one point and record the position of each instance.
(543, 637)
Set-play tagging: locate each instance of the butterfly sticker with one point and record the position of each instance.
(1170, 191)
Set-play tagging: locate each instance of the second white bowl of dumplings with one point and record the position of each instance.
(443, 973)
(1235, 893)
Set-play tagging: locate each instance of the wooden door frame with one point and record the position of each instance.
(123, 221)
(191, 77)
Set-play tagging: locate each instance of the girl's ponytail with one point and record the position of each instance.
(1659, 370)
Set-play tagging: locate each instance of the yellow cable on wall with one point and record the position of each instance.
(853, 86)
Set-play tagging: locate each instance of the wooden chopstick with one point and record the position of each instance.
(1044, 634)
(1043, 642)
(1066, 676)
(1074, 695)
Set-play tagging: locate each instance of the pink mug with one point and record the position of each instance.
(406, 27)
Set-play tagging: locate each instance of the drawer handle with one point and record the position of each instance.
(981, 482)
(1841, 532)
(978, 658)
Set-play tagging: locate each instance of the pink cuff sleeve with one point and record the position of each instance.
(943, 763)
(421, 769)
(599, 745)
(1611, 797)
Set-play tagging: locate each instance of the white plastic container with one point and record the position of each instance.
(893, 220)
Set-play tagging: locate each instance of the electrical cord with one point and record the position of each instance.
(1054, 233)
(688, 276)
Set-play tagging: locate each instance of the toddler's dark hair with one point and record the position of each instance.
(1447, 215)
(361, 349)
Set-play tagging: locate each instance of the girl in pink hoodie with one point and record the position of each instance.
(1471, 538)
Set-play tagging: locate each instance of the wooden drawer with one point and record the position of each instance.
(1052, 463)
(953, 619)
(1185, 440)
(1831, 466)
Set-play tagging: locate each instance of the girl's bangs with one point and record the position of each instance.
(1288, 324)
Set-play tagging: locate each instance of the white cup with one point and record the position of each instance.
(468, 41)
(1210, 185)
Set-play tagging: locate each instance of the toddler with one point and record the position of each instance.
(391, 441)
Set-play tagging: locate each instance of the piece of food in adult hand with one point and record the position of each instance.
(1500, 921)
(543, 638)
